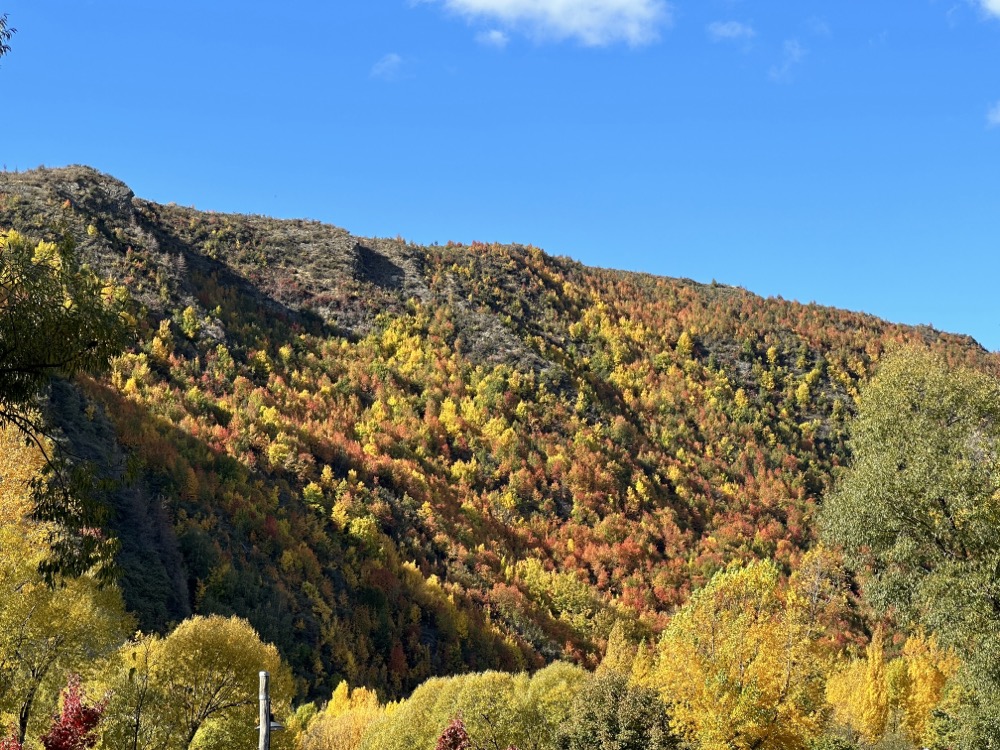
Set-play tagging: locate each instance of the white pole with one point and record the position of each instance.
(265, 712)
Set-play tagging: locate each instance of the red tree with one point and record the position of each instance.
(454, 737)
(73, 729)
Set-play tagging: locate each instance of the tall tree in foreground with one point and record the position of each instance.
(56, 319)
(197, 687)
(918, 514)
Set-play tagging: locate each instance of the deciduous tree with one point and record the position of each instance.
(609, 713)
(197, 687)
(45, 632)
(342, 724)
(75, 727)
(56, 318)
(917, 512)
(743, 664)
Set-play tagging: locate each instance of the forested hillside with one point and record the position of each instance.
(399, 461)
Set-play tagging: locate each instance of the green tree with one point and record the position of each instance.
(611, 714)
(497, 709)
(131, 719)
(918, 514)
(56, 319)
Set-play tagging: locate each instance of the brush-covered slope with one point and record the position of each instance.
(401, 461)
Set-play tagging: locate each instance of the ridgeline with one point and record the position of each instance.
(400, 461)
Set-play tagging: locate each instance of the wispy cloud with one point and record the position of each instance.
(991, 6)
(793, 54)
(594, 23)
(723, 31)
(993, 116)
(493, 38)
(388, 68)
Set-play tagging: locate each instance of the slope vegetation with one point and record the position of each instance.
(402, 461)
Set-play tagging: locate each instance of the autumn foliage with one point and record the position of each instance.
(453, 737)
(399, 461)
(75, 727)
(425, 473)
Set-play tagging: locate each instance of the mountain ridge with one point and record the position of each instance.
(400, 461)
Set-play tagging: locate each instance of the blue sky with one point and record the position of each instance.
(844, 152)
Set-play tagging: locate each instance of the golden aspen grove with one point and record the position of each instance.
(472, 494)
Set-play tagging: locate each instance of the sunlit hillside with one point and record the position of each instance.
(401, 461)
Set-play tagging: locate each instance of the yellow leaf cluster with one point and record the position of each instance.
(743, 664)
(874, 695)
(342, 724)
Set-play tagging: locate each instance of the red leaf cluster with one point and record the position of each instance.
(73, 728)
(454, 737)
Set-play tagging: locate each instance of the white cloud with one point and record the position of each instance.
(793, 54)
(993, 116)
(594, 23)
(388, 68)
(493, 38)
(721, 31)
(991, 6)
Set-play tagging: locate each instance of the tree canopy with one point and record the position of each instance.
(56, 318)
(197, 687)
(918, 512)
(744, 663)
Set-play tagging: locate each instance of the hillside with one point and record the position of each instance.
(402, 461)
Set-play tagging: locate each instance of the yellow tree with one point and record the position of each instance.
(195, 688)
(342, 724)
(620, 653)
(45, 632)
(131, 719)
(859, 694)
(871, 696)
(930, 668)
(743, 664)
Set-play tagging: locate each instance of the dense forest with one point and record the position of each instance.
(474, 494)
